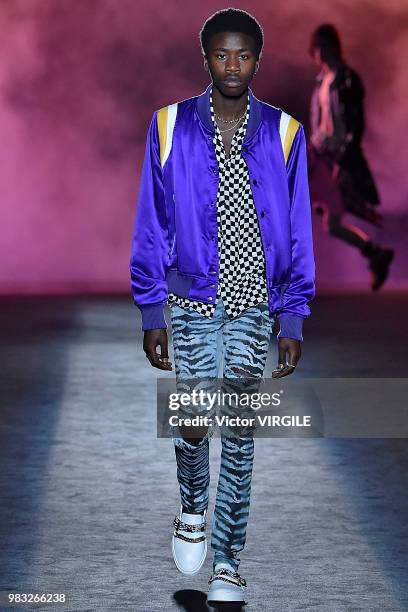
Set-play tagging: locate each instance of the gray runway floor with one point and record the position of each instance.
(88, 493)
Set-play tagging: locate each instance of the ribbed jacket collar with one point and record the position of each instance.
(255, 112)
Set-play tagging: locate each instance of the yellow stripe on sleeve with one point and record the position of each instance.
(162, 115)
(290, 136)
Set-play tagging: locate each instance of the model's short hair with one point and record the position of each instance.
(231, 20)
(327, 39)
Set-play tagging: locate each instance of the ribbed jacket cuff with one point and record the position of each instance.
(153, 316)
(291, 326)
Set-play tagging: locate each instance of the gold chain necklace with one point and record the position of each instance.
(230, 128)
(229, 120)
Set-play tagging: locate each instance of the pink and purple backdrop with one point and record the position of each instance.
(79, 81)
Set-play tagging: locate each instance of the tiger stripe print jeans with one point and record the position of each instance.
(199, 344)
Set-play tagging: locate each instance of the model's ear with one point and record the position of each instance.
(205, 63)
(258, 61)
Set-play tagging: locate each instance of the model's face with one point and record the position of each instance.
(317, 57)
(231, 61)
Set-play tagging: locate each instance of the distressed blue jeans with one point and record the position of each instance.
(199, 345)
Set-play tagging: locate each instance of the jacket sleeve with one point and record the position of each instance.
(302, 282)
(150, 244)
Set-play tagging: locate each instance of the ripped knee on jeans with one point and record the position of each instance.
(189, 442)
(182, 436)
(198, 433)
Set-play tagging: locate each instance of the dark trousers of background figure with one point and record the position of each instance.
(199, 345)
(329, 197)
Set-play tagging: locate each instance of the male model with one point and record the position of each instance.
(340, 179)
(223, 235)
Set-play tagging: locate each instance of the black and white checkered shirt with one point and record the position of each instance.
(242, 277)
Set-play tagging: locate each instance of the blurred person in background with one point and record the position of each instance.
(340, 179)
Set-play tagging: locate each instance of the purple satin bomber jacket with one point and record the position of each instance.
(175, 244)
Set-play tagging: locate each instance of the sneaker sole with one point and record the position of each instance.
(222, 595)
(191, 573)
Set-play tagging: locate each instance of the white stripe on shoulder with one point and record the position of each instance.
(171, 120)
(283, 127)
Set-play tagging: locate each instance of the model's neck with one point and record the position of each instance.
(326, 69)
(334, 65)
(229, 107)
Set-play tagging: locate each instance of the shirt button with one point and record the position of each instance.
(213, 286)
(213, 272)
(210, 298)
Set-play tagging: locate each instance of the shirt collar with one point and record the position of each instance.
(240, 132)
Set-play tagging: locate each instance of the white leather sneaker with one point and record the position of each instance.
(226, 584)
(189, 543)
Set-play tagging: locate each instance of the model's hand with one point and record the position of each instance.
(152, 339)
(289, 355)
